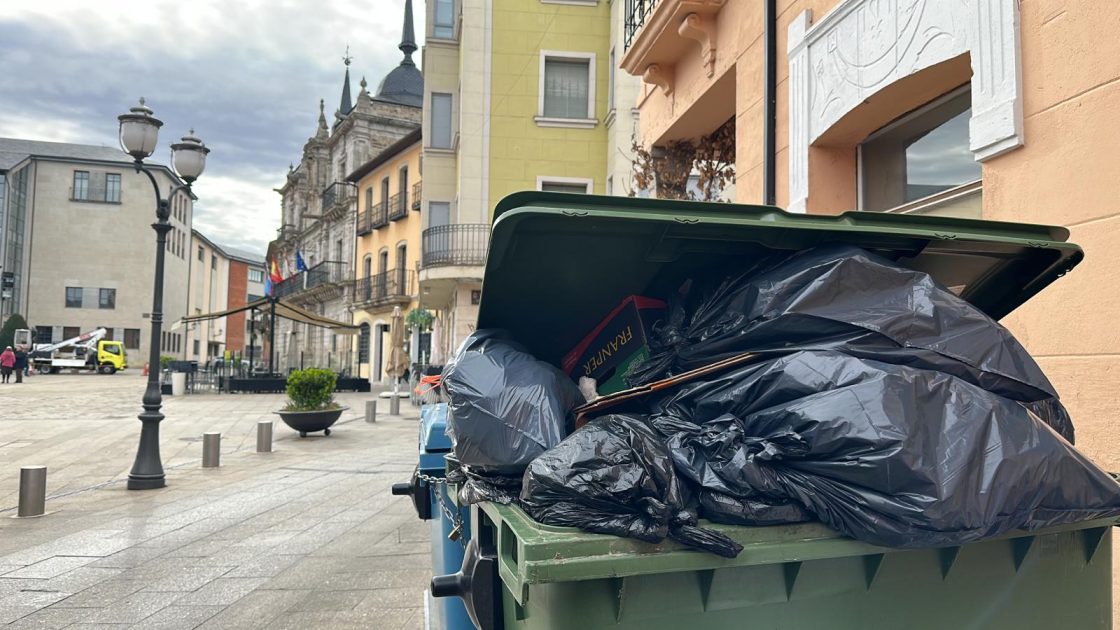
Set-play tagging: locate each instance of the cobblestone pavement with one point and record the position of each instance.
(305, 537)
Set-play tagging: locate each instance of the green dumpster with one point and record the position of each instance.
(558, 263)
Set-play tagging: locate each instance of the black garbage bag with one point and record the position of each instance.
(844, 298)
(888, 454)
(478, 486)
(614, 476)
(505, 406)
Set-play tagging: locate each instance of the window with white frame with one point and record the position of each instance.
(567, 89)
(441, 121)
(573, 185)
(256, 275)
(922, 163)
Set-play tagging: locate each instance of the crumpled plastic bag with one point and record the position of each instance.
(506, 407)
(888, 454)
(844, 298)
(614, 476)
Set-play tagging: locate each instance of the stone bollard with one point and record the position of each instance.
(395, 405)
(371, 411)
(32, 491)
(211, 450)
(264, 436)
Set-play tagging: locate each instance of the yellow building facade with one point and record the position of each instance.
(517, 96)
(387, 252)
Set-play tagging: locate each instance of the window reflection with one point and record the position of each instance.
(922, 154)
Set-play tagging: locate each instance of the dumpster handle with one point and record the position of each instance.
(508, 566)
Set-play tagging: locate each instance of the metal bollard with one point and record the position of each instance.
(371, 411)
(211, 449)
(32, 491)
(395, 405)
(264, 436)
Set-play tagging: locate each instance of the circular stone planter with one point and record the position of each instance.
(310, 421)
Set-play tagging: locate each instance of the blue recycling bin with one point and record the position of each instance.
(435, 505)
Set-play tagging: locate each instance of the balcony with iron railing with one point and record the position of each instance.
(398, 206)
(416, 190)
(634, 16)
(457, 244)
(326, 273)
(286, 232)
(394, 285)
(338, 196)
(657, 34)
(373, 218)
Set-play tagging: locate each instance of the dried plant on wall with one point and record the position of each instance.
(666, 170)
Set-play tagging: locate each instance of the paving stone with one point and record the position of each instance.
(134, 608)
(103, 594)
(187, 579)
(256, 610)
(129, 558)
(243, 535)
(391, 598)
(222, 591)
(333, 600)
(50, 567)
(179, 617)
(80, 579)
(50, 619)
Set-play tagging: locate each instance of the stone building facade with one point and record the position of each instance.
(77, 237)
(319, 209)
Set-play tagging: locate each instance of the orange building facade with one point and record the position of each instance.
(992, 109)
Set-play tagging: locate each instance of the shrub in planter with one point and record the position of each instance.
(311, 405)
(310, 390)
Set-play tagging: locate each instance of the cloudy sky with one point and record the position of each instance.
(246, 74)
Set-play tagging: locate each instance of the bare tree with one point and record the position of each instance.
(667, 169)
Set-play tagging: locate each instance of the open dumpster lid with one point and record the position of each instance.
(559, 262)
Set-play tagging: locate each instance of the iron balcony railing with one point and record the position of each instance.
(458, 244)
(286, 232)
(398, 206)
(637, 12)
(373, 218)
(338, 194)
(416, 190)
(391, 285)
(326, 272)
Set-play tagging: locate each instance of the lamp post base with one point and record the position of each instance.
(146, 483)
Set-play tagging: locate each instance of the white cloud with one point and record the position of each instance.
(246, 74)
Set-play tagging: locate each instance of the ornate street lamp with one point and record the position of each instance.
(139, 133)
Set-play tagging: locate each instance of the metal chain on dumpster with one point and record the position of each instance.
(452, 516)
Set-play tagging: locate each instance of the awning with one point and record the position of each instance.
(283, 309)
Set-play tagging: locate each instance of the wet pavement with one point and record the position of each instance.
(307, 536)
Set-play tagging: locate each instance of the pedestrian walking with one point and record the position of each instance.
(7, 362)
(21, 363)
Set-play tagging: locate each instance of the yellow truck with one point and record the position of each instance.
(89, 351)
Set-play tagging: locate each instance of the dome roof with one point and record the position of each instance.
(404, 85)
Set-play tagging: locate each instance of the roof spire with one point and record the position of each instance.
(346, 106)
(322, 116)
(408, 36)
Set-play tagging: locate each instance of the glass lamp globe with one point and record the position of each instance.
(139, 131)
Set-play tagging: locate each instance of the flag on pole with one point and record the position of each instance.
(274, 273)
(268, 286)
(300, 265)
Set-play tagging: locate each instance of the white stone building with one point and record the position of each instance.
(77, 236)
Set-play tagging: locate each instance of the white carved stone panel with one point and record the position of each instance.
(862, 46)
